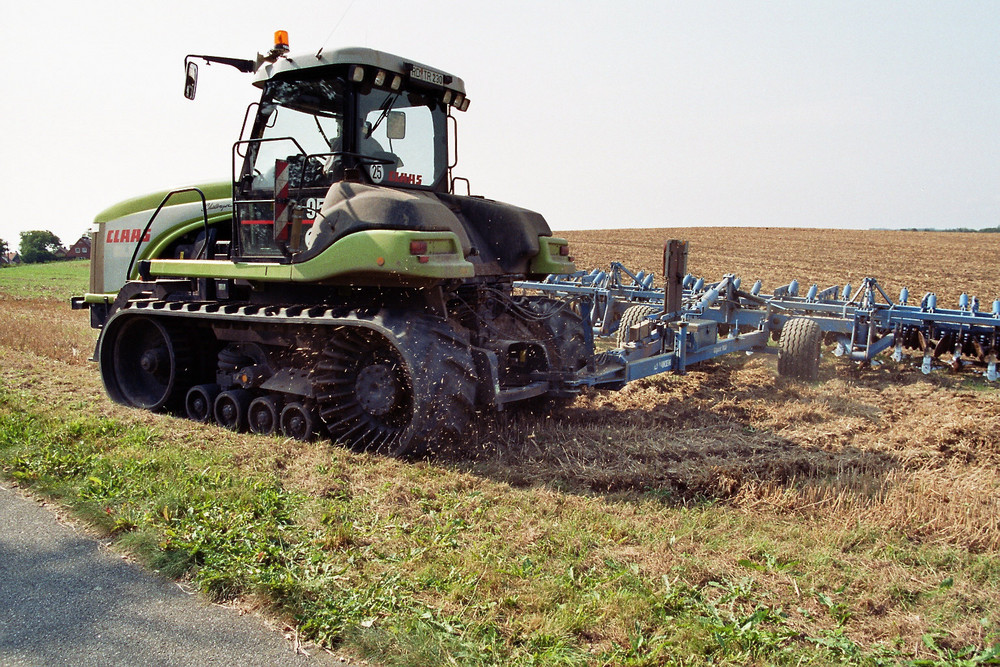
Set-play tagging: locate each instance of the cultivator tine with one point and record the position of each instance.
(926, 365)
(956, 362)
(991, 366)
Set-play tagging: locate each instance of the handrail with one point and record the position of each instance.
(204, 211)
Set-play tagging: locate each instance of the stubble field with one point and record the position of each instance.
(725, 516)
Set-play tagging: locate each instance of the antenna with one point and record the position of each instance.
(337, 25)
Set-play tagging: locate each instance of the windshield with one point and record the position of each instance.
(405, 135)
(325, 131)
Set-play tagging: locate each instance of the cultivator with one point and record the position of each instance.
(691, 320)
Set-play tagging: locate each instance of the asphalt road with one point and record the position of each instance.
(65, 599)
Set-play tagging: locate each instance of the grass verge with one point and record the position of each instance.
(417, 564)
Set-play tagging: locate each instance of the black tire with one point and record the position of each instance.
(231, 407)
(298, 421)
(567, 345)
(399, 386)
(632, 316)
(144, 362)
(798, 349)
(264, 415)
(200, 401)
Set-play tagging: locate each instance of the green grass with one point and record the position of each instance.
(50, 280)
(420, 568)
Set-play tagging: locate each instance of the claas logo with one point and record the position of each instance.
(125, 236)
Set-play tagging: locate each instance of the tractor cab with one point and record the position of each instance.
(348, 117)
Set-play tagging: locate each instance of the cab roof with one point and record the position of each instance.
(368, 58)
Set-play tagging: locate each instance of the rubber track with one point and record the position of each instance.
(441, 375)
(435, 346)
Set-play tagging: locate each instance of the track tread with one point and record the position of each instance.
(440, 374)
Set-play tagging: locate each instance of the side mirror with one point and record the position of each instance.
(191, 81)
(395, 125)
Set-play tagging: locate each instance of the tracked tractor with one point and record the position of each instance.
(337, 284)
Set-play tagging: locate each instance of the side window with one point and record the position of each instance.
(405, 160)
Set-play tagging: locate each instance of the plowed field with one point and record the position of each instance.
(946, 263)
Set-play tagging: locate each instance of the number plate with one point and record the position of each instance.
(430, 76)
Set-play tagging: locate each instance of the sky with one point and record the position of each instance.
(626, 114)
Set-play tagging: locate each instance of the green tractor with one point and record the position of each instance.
(337, 285)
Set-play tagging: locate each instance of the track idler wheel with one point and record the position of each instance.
(231, 409)
(200, 401)
(298, 422)
(264, 415)
(144, 363)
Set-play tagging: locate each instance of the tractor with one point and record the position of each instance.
(337, 284)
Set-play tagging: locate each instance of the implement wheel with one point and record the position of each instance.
(396, 386)
(632, 316)
(298, 422)
(798, 349)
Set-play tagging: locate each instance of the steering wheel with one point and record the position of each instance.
(364, 158)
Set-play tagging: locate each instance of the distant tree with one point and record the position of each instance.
(38, 246)
(3, 247)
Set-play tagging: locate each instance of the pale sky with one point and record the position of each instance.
(596, 114)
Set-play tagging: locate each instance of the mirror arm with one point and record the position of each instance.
(242, 65)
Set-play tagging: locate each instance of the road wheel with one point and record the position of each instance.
(632, 316)
(263, 415)
(199, 402)
(231, 409)
(798, 349)
(397, 386)
(298, 421)
(144, 363)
